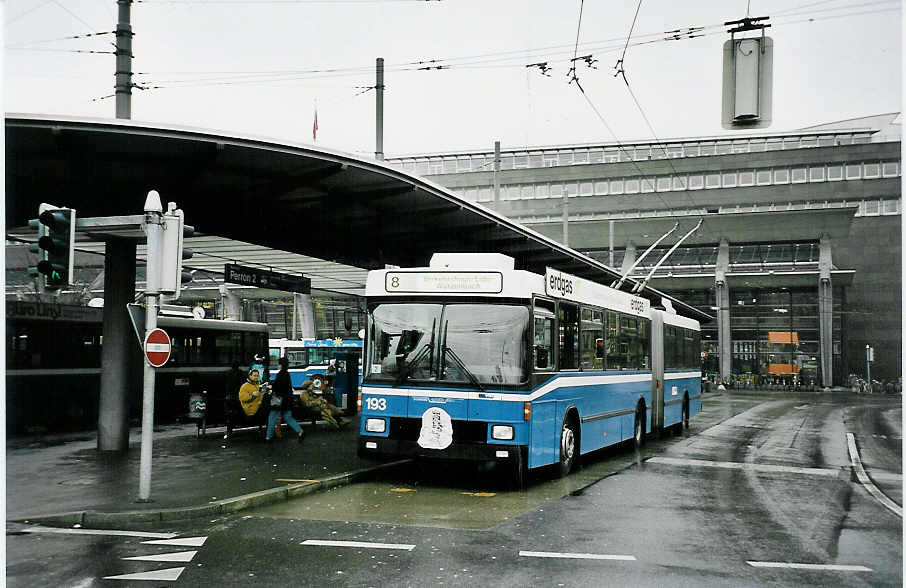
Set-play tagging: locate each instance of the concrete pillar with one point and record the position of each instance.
(119, 346)
(305, 310)
(722, 289)
(826, 312)
(628, 258)
(232, 304)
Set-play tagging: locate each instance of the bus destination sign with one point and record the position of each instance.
(444, 282)
(259, 278)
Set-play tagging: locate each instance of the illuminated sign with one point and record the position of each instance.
(444, 282)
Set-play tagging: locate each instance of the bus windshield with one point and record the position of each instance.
(456, 343)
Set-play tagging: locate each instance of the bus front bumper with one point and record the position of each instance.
(384, 447)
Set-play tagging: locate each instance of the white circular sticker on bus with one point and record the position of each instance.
(437, 429)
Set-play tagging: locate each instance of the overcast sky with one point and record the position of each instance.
(246, 67)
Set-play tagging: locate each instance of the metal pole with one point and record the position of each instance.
(154, 230)
(565, 219)
(379, 111)
(123, 84)
(496, 171)
(611, 243)
(868, 365)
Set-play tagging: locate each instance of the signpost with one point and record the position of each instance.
(259, 278)
(157, 347)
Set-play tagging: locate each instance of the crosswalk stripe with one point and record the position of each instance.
(181, 542)
(805, 566)
(554, 554)
(167, 575)
(99, 532)
(179, 556)
(366, 544)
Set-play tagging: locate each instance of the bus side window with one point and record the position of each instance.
(568, 325)
(592, 340)
(542, 343)
(614, 359)
(297, 358)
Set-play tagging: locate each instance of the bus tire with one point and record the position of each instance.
(569, 446)
(638, 429)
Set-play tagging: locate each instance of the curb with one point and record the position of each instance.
(108, 520)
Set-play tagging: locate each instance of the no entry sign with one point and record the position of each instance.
(157, 347)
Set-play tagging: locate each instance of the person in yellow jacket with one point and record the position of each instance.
(251, 394)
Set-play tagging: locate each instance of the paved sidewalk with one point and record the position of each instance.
(65, 480)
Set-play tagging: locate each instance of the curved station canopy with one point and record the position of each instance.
(292, 208)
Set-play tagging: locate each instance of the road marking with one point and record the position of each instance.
(179, 556)
(99, 532)
(402, 490)
(805, 566)
(866, 481)
(169, 575)
(293, 480)
(733, 465)
(480, 494)
(181, 542)
(555, 554)
(401, 546)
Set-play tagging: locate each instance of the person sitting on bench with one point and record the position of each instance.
(251, 394)
(318, 404)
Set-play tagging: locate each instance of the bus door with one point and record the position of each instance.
(657, 370)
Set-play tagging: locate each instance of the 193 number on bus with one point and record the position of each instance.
(376, 403)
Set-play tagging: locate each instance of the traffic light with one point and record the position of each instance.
(173, 253)
(56, 239)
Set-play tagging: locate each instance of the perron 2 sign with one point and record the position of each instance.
(259, 278)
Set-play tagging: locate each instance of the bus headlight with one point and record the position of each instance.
(375, 425)
(502, 432)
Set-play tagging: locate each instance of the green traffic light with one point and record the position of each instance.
(55, 245)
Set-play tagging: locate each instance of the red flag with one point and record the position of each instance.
(314, 127)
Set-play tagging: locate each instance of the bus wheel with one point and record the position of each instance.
(638, 430)
(568, 447)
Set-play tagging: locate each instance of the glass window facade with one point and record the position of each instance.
(774, 332)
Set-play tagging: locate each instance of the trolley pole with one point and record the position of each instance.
(153, 229)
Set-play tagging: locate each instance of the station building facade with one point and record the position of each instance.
(798, 255)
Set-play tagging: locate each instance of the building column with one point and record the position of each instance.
(826, 312)
(628, 258)
(305, 310)
(118, 346)
(231, 304)
(722, 290)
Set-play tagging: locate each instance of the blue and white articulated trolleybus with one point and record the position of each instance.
(472, 359)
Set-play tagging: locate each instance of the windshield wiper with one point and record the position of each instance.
(426, 348)
(463, 367)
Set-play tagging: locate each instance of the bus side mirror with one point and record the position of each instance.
(347, 320)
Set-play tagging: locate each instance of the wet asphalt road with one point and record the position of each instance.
(757, 481)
